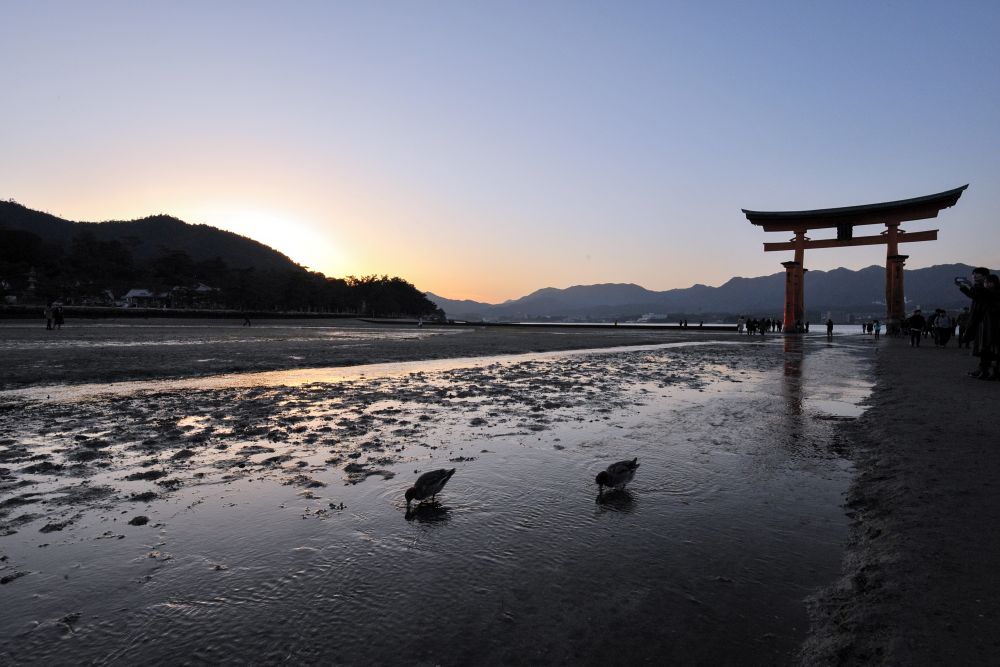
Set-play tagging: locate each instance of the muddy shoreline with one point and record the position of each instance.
(93, 350)
(920, 582)
(197, 499)
(158, 438)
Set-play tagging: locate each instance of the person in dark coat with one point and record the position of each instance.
(963, 326)
(944, 326)
(989, 346)
(979, 327)
(916, 325)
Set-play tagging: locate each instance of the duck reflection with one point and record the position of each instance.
(617, 500)
(432, 512)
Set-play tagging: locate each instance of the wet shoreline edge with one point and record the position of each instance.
(918, 582)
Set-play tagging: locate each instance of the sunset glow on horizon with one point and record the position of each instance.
(485, 151)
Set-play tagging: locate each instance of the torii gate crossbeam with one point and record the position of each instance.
(844, 219)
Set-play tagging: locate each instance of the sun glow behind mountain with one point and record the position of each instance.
(288, 233)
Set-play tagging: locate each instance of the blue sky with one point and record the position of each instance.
(483, 150)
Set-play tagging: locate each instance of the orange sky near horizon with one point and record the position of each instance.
(483, 152)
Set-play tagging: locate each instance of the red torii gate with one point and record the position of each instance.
(844, 219)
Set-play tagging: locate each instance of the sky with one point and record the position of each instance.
(482, 150)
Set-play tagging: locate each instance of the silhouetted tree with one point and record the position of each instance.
(172, 268)
(381, 296)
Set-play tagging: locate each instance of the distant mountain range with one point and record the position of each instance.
(841, 291)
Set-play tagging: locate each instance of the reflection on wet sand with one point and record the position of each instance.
(274, 529)
(792, 381)
(795, 421)
(305, 376)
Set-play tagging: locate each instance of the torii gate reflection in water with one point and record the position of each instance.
(890, 214)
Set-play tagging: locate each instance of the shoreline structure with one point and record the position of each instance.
(920, 582)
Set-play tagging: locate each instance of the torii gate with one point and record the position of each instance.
(891, 214)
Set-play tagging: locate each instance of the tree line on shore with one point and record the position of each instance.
(93, 271)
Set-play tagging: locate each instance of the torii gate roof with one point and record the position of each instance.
(902, 210)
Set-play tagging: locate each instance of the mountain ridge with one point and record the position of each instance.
(841, 290)
(149, 236)
(163, 262)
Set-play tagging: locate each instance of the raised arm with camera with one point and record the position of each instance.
(977, 317)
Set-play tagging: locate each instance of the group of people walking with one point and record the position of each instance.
(754, 326)
(939, 326)
(872, 327)
(54, 316)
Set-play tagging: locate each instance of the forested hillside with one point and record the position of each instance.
(44, 258)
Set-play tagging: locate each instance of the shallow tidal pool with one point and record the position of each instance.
(275, 528)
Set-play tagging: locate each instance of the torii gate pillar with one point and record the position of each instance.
(795, 310)
(793, 279)
(895, 301)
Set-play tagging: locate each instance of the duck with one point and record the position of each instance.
(617, 475)
(428, 484)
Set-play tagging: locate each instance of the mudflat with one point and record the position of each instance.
(921, 582)
(202, 509)
(151, 507)
(132, 349)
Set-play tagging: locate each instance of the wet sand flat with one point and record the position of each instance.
(921, 581)
(264, 520)
(126, 349)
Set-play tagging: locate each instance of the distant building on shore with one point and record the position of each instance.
(143, 298)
